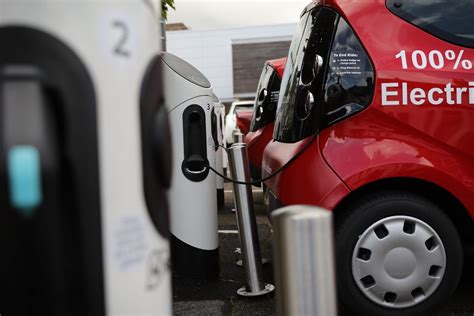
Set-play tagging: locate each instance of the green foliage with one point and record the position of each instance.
(165, 5)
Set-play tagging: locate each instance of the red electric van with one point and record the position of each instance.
(379, 97)
(261, 126)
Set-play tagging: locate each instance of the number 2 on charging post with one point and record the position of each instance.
(120, 48)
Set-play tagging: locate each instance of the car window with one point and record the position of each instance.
(301, 87)
(449, 20)
(349, 83)
(266, 99)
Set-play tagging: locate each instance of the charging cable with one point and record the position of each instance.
(271, 175)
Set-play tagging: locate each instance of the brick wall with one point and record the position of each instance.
(248, 61)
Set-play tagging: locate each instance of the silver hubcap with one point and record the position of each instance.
(398, 262)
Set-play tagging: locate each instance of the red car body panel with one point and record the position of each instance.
(367, 148)
(244, 118)
(428, 142)
(256, 143)
(278, 65)
(306, 189)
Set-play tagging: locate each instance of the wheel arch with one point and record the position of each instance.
(431, 191)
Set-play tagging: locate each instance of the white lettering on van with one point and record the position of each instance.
(404, 93)
(449, 91)
(392, 92)
(459, 93)
(417, 96)
(471, 92)
(431, 99)
(386, 94)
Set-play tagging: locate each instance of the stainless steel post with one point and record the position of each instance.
(238, 136)
(304, 261)
(247, 224)
(163, 34)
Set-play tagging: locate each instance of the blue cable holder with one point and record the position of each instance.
(24, 175)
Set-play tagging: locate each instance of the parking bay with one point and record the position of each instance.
(219, 297)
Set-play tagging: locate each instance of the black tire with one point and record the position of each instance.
(351, 223)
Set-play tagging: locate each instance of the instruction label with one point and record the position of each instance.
(344, 63)
(130, 242)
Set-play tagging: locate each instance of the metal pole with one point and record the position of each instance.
(247, 224)
(163, 34)
(238, 136)
(304, 261)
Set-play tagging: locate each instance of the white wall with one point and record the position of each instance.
(211, 50)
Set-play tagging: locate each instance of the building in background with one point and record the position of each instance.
(232, 58)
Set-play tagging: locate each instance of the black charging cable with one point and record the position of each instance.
(271, 175)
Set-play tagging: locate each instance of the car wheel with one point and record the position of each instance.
(397, 254)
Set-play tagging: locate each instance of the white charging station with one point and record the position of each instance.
(219, 112)
(193, 205)
(83, 159)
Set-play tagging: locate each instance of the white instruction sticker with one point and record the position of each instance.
(130, 242)
(343, 63)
